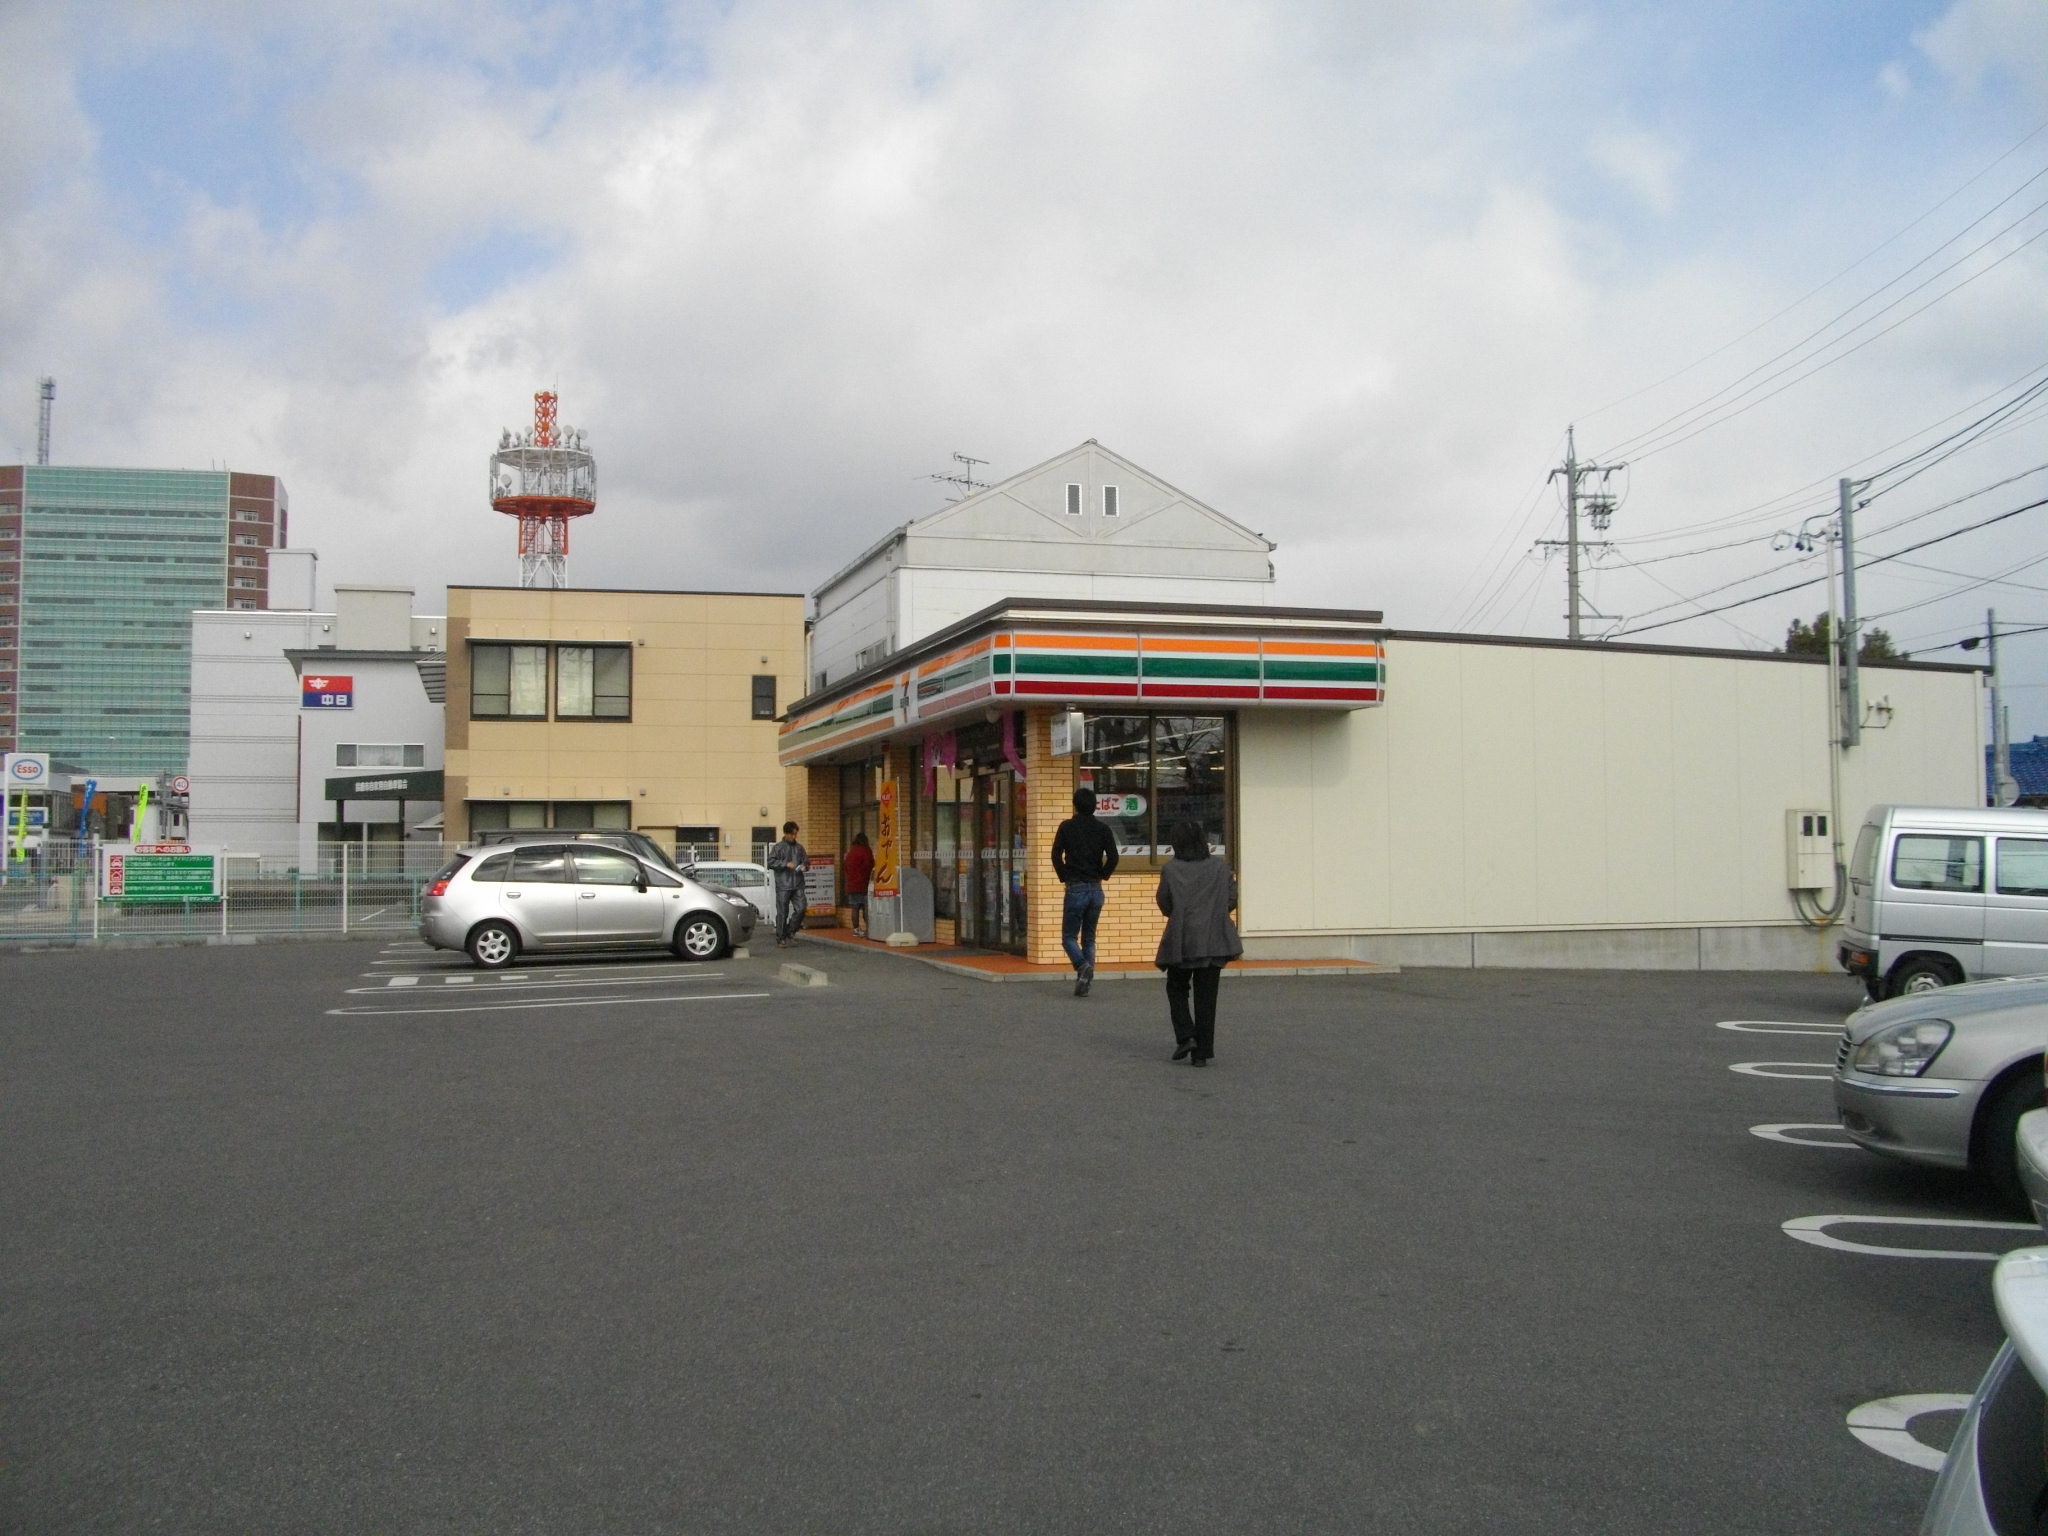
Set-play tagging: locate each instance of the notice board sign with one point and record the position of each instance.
(820, 890)
(159, 872)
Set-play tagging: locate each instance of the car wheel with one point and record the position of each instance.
(493, 946)
(1921, 975)
(1994, 1151)
(699, 938)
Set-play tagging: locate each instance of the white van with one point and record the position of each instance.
(1938, 896)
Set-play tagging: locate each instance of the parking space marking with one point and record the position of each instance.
(1783, 1132)
(1882, 1425)
(1802, 1071)
(1774, 1027)
(528, 984)
(1814, 1230)
(553, 1002)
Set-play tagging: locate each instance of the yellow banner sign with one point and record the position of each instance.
(885, 881)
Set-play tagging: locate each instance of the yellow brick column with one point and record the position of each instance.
(813, 804)
(1049, 800)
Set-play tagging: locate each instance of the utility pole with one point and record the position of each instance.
(1851, 702)
(2005, 789)
(1599, 507)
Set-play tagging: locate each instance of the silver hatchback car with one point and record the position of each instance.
(496, 903)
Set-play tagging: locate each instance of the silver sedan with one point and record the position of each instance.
(1943, 1077)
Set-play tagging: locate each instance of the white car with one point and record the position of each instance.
(749, 880)
(1993, 1478)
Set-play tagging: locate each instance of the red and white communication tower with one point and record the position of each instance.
(544, 477)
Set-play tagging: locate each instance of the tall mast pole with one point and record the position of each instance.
(1571, 534)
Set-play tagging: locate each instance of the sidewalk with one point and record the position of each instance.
(988, 965)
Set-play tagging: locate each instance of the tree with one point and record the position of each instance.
(1804, 639)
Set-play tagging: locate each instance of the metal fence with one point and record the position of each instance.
(53, 897)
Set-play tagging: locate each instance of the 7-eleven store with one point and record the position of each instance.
(960, 727)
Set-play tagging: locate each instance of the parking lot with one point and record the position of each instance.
(347, 1237)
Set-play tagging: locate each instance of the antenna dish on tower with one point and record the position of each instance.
(543, 477)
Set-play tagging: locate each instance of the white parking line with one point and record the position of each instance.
(1827, 1128)
(1803, 1071)
(527, 984)
(555, 1002)
(1814, 1230)
(1881, 1425)
(1773, 1027)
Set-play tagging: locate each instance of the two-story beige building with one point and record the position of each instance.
(655, 711)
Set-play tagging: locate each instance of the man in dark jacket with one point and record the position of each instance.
(1083, 856)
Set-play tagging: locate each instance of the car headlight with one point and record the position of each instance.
(1904, 1050)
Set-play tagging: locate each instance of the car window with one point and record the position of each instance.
(1926, 863)
(496, 867)
(722, 879)
(2022, 866)
(447, 871)
(659, 877)
(541, 866)
(604, 866)
(1863, 863)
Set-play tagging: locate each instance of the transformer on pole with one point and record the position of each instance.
(544, 476)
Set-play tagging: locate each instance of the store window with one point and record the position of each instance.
(593, 682)
(1148, 771)
(508, 682)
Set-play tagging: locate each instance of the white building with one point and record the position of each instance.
(1088, 524)
(264, 755)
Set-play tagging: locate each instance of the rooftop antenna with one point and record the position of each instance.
(964, 477)
(46, 390)
(544, 476)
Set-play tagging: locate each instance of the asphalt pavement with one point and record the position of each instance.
(347, 1238)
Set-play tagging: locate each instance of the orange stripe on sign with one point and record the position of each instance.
(1161, 645)
(1319, 648)
(953, 658)
(1076, 642)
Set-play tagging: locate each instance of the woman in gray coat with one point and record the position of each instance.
(1197, 893)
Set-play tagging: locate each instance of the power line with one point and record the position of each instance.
(1883, 244)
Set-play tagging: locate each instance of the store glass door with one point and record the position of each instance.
(990, 861)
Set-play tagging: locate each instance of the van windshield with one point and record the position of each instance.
(1863, 862)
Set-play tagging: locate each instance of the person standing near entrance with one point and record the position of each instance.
(860, 865)
(787, 862)
(1083, 856)
(1197, 893)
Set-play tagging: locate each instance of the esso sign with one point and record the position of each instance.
(27, 770)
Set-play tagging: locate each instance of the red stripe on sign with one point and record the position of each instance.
(1343, 695)
(1200, 691)
(1080, 688)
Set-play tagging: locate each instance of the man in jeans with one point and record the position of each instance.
(787, 862)
(1083, 856)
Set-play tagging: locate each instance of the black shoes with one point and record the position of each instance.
(1082, 978)
(1187, 1048)
(1198, 1061)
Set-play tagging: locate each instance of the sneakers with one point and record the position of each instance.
(1081, 980)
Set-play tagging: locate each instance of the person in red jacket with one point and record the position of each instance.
(860, 866)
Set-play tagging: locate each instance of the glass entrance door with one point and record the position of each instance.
(990, 860)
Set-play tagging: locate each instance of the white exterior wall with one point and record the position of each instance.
(390, 707)
(244, 759)
(1506, 788)
(929, 600)
(252, 789)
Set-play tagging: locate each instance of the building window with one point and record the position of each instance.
(1109, 501)
(248, 562)
(508, 682)
(1073, 500)
(506, 815)
(696, 843)
(592, 816)
(764, 698)
(379, 755)
(248, 540)
(247, 581)
(763, 839)
(241, 602)
(593, 682)
(1149, 771)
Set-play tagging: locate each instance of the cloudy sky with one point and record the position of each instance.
(1345, 271)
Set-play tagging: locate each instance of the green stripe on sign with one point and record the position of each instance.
(1080, 666)
(1323, 671)
(1187, 666)
(1002, 661)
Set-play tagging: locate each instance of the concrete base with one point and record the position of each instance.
(1777, 947)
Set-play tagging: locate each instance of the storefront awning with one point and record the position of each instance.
(1097, 655)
